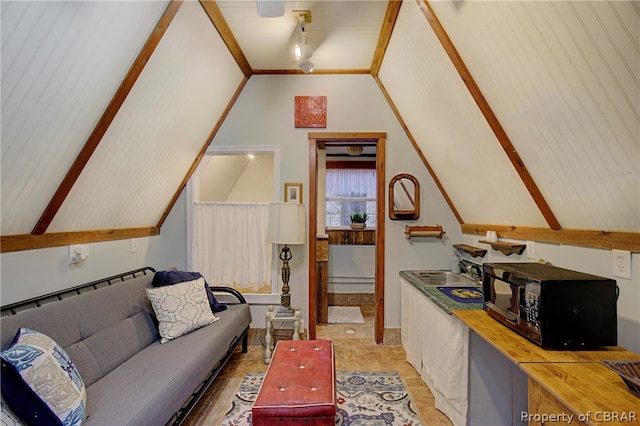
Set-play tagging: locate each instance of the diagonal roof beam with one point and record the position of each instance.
(486, 110)
(107, 118)
(389, 22)
(218, 21)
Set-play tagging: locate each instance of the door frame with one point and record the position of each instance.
(318, 141)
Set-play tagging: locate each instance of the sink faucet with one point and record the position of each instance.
(472, 269)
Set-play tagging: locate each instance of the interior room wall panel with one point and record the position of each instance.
(450, 129)
(563, 80)
(61, 63)
(158, 132)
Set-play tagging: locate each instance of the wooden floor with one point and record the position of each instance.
(355, 349)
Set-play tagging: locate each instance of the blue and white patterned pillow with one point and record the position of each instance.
(40, 383)
(180, 308)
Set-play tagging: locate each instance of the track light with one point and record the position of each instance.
(305, 65)
(303, 51)
(270, 8)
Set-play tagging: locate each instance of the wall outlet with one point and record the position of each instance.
(531, 249)
(134, 245)
(621, 264)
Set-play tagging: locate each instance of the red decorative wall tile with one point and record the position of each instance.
(311, 111)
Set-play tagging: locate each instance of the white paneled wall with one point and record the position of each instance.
(158, 132)
(563, 78)
(61, 64)
(450, 129)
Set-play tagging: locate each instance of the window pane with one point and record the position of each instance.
(350, 191)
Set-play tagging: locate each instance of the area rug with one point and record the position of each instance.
(345, 315)
(365, 398)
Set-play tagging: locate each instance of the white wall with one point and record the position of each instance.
(236, 178)
(354, 104)
(32, 273)
(591, 261)
(255, 184)
(352, 268)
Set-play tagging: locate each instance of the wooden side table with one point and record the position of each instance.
(270, 318)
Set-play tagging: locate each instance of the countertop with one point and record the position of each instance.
(575, 383)
(520, 350)
(436, 296)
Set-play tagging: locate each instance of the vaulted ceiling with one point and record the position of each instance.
(527, 114)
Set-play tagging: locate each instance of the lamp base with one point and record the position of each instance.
(284, 311)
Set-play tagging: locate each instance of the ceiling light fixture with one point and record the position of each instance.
(305, 65)
(303, 51)
(270, 8)
(355, 150)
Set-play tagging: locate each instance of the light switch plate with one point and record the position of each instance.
(531, 249)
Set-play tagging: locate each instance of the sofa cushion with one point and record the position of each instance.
(153, 384)
(85, 326)
(40, 382)
(180, 308)
(162, 278)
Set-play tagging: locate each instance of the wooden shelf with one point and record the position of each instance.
(473, 251)
(504, 247)
(423, 231)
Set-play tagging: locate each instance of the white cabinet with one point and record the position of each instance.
(437, 345)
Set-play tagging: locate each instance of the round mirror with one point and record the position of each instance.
(404, 197)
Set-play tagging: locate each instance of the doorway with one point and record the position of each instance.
(318, 142)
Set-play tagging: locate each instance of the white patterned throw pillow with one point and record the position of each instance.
(40, 383)
(180, 308)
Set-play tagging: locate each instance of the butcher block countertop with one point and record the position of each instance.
(593, 393)
(518, 349)
(571, 382)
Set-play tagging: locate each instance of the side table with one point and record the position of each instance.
(270, 318)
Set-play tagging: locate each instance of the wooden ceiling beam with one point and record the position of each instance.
(107, 118)
(218, 21)
(388, 24)
(486, 110)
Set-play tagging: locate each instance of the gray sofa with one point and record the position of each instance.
(111, 335)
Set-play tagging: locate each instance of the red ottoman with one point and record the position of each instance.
(299, 386)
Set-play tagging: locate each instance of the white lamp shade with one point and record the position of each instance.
(287, 223)
(270, 8)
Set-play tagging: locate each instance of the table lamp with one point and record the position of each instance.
(286, 226)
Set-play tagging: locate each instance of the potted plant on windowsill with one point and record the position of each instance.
(358, 220)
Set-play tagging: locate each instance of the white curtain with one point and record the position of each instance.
(230, 246)
(350, 183)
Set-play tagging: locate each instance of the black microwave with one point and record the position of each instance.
(553, 307)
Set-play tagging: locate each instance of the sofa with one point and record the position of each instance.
(110, 331)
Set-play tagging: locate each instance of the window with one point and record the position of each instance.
(350, 191)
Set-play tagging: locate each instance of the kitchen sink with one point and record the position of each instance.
(444, 278)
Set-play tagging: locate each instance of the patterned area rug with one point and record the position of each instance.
(365, 398)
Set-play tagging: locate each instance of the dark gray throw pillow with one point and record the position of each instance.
(162, 278)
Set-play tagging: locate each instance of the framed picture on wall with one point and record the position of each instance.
(293, 192)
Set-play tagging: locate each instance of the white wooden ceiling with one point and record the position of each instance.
(561, 78)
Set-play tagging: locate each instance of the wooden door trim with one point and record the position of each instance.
(318, 140)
